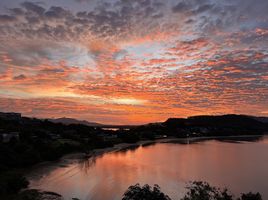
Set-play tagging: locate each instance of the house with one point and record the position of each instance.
(107, 137)
(6, 137)
(54, 136)
(160, 136)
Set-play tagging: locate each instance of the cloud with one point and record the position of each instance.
(20, 77)
(134, 61)
(7, 18)
(105, 20)
(182, 6)
(57, 12)
(33, 7)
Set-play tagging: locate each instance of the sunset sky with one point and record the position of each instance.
(133, 61)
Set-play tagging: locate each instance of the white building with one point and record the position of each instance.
(8, 136)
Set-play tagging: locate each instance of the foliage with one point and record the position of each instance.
(145, 192)
(198, 190)
(12, 182)
(251, 196)
(129, 137)
(37, 195)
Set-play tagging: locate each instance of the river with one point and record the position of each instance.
(238, 164)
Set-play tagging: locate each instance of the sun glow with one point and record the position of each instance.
(129, 101)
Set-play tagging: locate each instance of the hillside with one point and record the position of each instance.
(68, 121)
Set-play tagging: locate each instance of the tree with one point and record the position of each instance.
(250, 196)
(199, 190)
(145, 192)
(12, 182)
(37, 195)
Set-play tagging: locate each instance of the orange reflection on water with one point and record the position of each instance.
(242, 167)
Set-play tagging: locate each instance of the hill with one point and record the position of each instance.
(261, 119)
(219, 125)
(68, 121)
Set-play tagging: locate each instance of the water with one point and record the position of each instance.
(242, 166)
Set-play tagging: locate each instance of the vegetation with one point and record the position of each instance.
(251, 196)
(203, 191)
(12, 183)
(136, 192)
(34, 195)
(195, 191)
(38, 141)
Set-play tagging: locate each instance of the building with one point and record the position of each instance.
(54, 136)
(6, 137)
(107, 137)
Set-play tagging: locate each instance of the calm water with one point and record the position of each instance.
(239, 165)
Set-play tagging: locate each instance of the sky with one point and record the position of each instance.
(133, 61)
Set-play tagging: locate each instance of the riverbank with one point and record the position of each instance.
(125, 146)
(73, 157)
(159, 162)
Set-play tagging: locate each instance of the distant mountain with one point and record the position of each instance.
(68, 121)
(223, 124)
(261, 119)
(230, 120)
(207, 125)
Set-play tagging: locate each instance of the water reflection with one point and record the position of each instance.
(129, 148)
(148, 144)
(241, 139)
(86, 163)
(241, 167)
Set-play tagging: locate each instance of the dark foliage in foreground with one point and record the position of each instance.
(35, 195)
(196, 190)
(203, 191)
(251, 196)
(12, 183)
(136, 192)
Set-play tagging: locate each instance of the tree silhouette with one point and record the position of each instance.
(196, 190)
(199, 190)
(250, 196)
(145, 192)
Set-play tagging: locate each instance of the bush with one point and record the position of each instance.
(130, 137)
(37, 195)
(198, 190)
(12, 183)
(137, 192)
(251, 196)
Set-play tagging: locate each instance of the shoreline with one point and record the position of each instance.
(125, 146)
(73, 157)
(72, 161)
